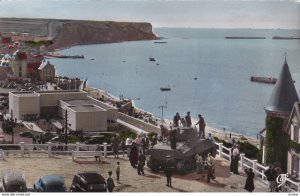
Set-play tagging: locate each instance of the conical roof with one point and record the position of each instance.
(284, 93)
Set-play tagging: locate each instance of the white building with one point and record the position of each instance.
(84, 113)
(293, 166)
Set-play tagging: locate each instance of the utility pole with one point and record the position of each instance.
(66, 129)
(162, 112)
(12, 124)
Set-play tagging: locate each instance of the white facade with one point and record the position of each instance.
(24, 104)
(87, 118)
(84, 113)
(293, 166)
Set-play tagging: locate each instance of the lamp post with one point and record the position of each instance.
(162, 112)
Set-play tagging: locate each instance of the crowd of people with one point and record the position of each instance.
(187, 122)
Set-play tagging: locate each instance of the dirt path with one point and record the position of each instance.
(36, 165)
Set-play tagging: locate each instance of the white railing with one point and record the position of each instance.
(52, 148)
(258, 169)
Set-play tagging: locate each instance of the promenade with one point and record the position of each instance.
(34, 165)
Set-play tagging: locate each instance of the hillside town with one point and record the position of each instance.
(58, 116)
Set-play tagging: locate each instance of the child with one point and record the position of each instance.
(110, 182)
(118, 170)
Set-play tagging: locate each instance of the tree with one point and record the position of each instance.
(277, 142)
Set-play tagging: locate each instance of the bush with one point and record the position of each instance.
(150, 136)
(127, 134)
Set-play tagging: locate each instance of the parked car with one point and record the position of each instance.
(88, 182)
(50, 183)
(13, 181)
(99, 139)
(26, 134)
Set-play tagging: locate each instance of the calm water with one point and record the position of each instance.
(222, 92)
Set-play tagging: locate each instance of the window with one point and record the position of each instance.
(295, 166)
(296, 134)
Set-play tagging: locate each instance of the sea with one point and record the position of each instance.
(207, 74)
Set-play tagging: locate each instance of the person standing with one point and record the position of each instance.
(123, 146)
(110, 182)
(134, 154)
(115, 145)
(235, 159)
(270, 173)
(176, 120)
(202, 126)
(169, 170)
(211, 167)
(188, 119)
(118, 170)
(98, 148)
(249, 185)
(199, 162)
(173, 139)
(141, 164)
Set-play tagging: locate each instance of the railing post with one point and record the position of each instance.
(242, 161)
(230, 155)
(77, 146)
(105, 149)
(263, 154)
(254, 166)
(49, 149)
(22, 145)
(220, 149)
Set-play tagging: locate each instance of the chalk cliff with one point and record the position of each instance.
(79, 33)
(66, 33)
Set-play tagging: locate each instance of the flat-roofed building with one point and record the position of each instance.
(24, 105)
(87, 117)
(84, 112)
(49, 100)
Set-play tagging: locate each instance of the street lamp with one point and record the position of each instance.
(162, 112)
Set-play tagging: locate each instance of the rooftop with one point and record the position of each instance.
(86, 108)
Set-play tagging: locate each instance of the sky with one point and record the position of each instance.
(283, 14)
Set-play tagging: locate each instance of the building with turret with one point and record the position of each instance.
(278, 110)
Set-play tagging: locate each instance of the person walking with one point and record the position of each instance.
(110, 182)
(118, 170)
(249, 185)
(202, 126)
(188, 119)
(141, 164)
(176, 120)
(270, 173)
(169, 170)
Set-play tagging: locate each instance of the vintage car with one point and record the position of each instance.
(26, 134)
(50, 183)
(88, 182)
(13, 181)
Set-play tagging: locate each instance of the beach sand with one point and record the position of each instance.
(35, 165)
(221, 134)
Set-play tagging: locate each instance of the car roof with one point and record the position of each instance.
(14, 176)
(52, 180)
(91, 177)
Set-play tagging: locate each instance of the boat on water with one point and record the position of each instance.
(165, 88)
(160, 42)
(267, 80)
(152, 59)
